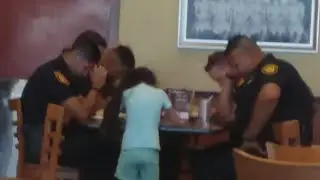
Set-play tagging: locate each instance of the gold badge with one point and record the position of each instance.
(240, 82)
(61, 78)
(270, 69)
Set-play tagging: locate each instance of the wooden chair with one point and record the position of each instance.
(250, 167)
(287, 133)
(316, 124)
(293, 154)
(15, 105)
(50, 151)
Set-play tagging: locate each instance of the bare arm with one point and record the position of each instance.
(100, 103)
(93, 99)
(81, 108)
(171, 117)
(225, 106)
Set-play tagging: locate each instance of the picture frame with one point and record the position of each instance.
(208, 24)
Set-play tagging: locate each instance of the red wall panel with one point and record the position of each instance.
(34, 31)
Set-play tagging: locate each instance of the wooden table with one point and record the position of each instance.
(199, 136)
(176, 140)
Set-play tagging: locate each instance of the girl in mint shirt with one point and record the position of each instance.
(139, 157)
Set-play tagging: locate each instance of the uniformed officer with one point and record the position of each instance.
(270, 90)
(58, 82)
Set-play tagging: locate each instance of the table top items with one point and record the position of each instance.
(204, 110)
(194, 106)
(180, 99)
(190, 126)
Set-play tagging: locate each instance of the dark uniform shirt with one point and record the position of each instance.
(295, 102)
(52, 82)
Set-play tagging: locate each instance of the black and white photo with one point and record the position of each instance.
(277, 25)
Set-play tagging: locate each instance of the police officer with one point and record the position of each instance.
(270, 90)
(265, 90)
(57, 82)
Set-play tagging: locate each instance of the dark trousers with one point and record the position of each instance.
(85, 150)
(172, 146)
(215, 163)
(97, 159)
(306, 134)
(170, 162)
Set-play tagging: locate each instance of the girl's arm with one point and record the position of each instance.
(171, 117)
(170, 114)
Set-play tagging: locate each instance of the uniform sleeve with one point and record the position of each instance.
(273, 73)
(165, 100)
(58, 87)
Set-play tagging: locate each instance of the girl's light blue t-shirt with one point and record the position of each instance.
(143, 104)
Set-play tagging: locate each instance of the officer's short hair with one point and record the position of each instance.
(93, 36)
(88, 50)
(126, 56)
(239, 41)
(213, 59)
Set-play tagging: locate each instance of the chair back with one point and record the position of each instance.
(316, 124)
(15, 106)
(52, 137)
(287, 133)
(293, 154)
(251, 167)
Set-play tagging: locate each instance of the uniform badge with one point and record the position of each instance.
(240, 82)
(61, 78)
(270, 69)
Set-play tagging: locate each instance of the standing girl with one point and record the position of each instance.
(139, 157)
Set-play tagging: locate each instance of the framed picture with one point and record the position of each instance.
(277, 25)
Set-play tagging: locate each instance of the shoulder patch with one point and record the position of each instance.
(61, 78)
(270, 69)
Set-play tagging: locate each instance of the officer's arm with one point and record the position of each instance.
(59, 90)
(94, 101)
(81, 109)
(225, 106)
(264, 106)
(273, 78)
(76, 109)
(104, 97)
(100, 103)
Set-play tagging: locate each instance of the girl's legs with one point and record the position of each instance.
(138, 164)
(127, 166)
(149, 168)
